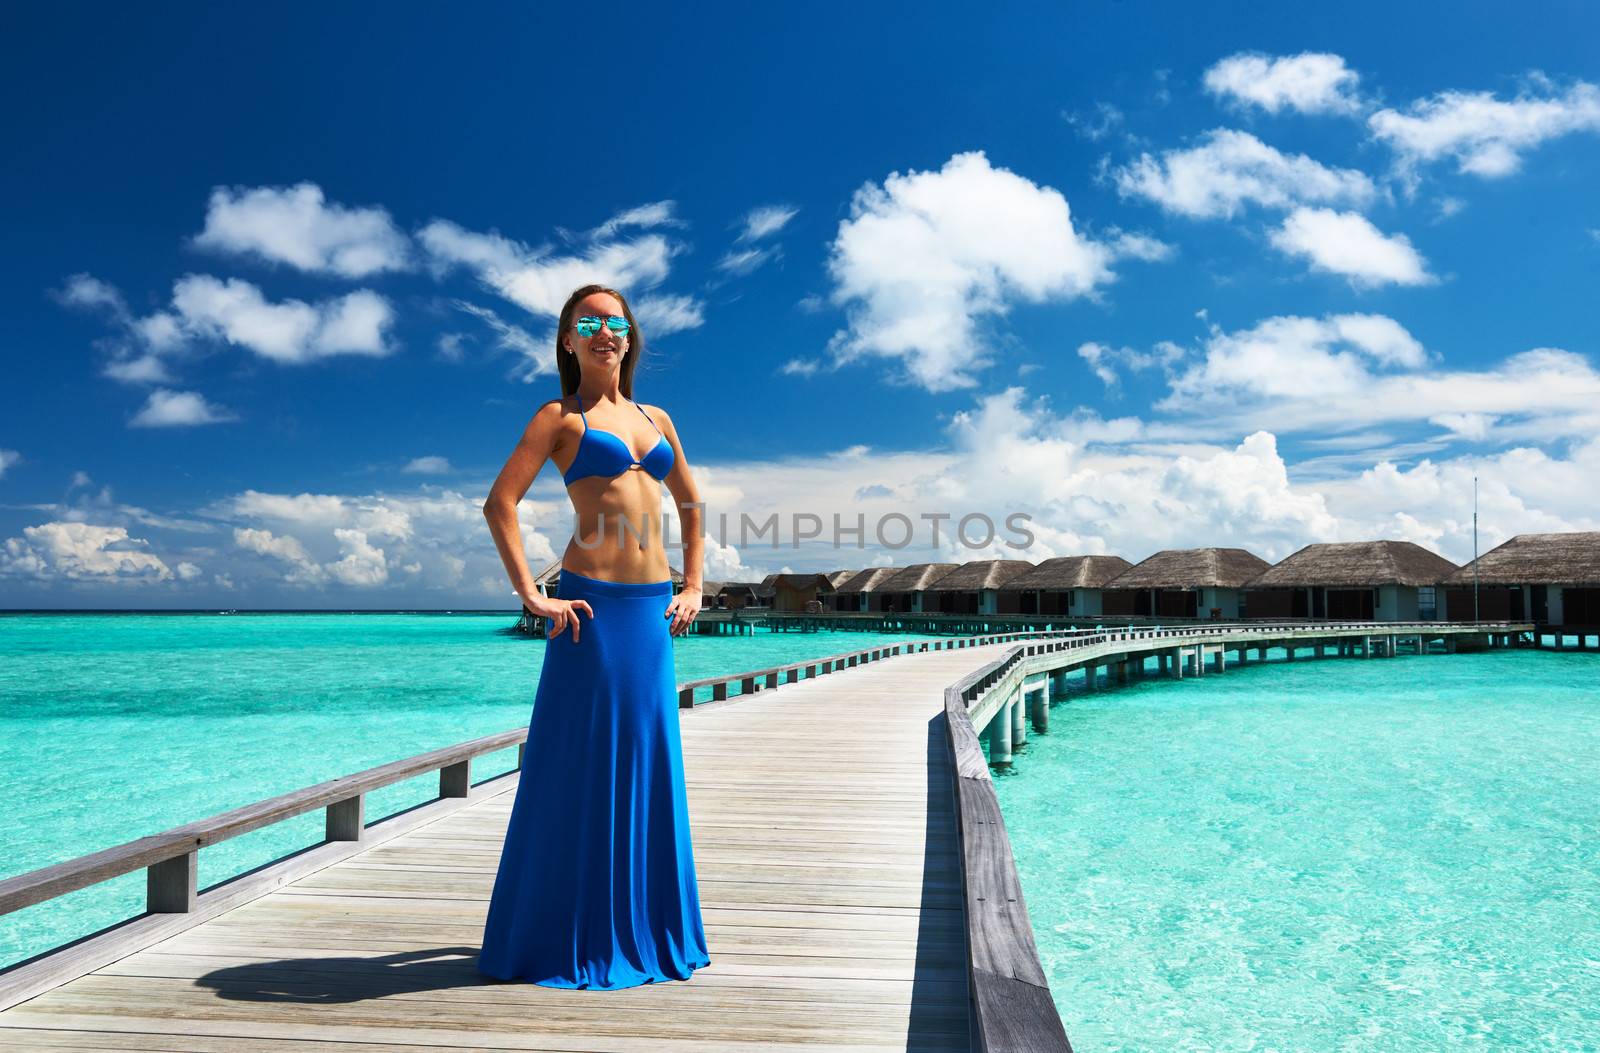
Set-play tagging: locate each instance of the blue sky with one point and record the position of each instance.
(276, 300)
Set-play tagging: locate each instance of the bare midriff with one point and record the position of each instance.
(619, 523)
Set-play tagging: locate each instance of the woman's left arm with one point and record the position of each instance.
(686, 498)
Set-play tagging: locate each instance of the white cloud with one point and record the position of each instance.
(748, 260)
(291, 331)
(765, 221)
(188, 571)
(1347, 244)
(1310, 82)
(1231, 169)
(538, 358)
(1140, 247)
(1104, 361)
(654, 214)
(178, 409)
(926, 255)
(1347, 373)
(362, 563)
(1105, 119)
(81, 552)
(662, 315)
(139, 369)
(1484, 135)
(87, 291)
(449, 245)
(427, 466)
(335, 538)
(8, 458)
(303, 569)
(540, 281)
(297, 226)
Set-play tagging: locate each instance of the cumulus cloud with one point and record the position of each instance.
(81, 552)
(291, 331)
(1347, 244)
(362, 563)
(924, 257)
(1484, 135)
(1349, 372)
(205, 308)
(427, 466)
(303, 569)
(178, 409)
(354, 540)
(1310, 82)
(1232, 169)
(8, 458)
(297, 226)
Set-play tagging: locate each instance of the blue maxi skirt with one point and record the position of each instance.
(596, 888)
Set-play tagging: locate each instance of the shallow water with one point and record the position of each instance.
(114, 727)
(1395, 854)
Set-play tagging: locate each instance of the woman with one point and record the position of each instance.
(596, 887)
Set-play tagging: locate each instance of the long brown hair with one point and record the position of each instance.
(567, 364)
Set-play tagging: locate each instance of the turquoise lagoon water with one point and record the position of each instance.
(1397, 854)
(114, 727)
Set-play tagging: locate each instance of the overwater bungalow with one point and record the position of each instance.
(1551, 579)
(837, 578)
(860, 591)
(905, 588)
(1184, 583)
(1389, 581)
(974, 587)
(736, 594)
(1065, 584)
(708, 593)
(796, 592)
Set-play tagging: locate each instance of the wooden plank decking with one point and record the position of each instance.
(826, 851)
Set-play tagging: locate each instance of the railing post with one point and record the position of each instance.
(455, 780)
(999, 731)
(171, 885)
(346, 819)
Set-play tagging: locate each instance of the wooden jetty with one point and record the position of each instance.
(856, 878)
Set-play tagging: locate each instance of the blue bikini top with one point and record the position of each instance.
(604, 453)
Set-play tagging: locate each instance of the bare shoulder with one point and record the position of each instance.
(659, 415)
(548, 420)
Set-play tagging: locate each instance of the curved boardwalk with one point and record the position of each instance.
(830, 880)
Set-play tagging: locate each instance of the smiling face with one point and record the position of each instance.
(604, 349)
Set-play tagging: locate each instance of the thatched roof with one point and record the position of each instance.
(980, 574)
(819, 582)
(739, 588)
(710, 588)
(1538, 559)
(839, 577)
(1070, 572)
(916, 577)
(869, 580)
(1357, 565)
(1192, 568)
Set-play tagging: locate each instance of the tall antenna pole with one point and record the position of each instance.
(1475, 549)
